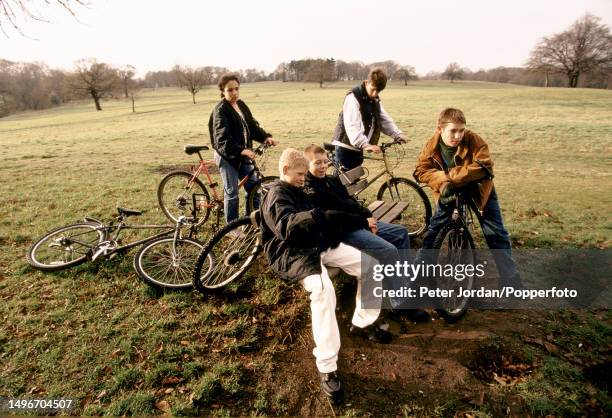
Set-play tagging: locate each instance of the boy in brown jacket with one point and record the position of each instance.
(447, 162)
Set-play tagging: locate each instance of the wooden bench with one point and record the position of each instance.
(387, 211)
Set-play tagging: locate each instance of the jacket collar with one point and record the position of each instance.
(462, 150)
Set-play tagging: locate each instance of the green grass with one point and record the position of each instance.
(97, 334)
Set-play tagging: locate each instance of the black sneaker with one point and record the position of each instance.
(414, 315)
(331, 386)
(372, 333)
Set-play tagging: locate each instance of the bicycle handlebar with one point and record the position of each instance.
(386, 145)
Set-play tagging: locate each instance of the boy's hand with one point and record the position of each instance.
(271, 141)
(401, 139)
(373, 225)
(372, 148)
(447, 194)
(447, 190)
(248, 153)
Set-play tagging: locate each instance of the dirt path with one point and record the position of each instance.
(428, 368)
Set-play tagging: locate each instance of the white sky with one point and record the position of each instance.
(156, 35)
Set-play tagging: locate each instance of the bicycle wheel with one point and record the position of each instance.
(175, 196)
(260, 190)
(164, 263)
(234, 249)
(418, 213)
(454, 246)
(66, 246)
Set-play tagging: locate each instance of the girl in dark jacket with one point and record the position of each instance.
(232, 130)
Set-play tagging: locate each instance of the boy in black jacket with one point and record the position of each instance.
(299, 241)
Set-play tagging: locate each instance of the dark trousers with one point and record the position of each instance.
(348, 158)
(495, 234)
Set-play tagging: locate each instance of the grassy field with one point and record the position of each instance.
(100, 336)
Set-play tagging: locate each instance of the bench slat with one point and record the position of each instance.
(394, 213)
(375, 205)
(349, 177)
(383, 209)
(353, 189)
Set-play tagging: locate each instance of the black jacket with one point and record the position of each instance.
(226, 131)
(294, 233)
(329, 193)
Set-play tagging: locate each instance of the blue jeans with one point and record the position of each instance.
(493, 229)
(389, 245)
(348, 158)
(390, 237)
(231, 177)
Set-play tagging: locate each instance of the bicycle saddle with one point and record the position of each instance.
(128, 212)
(192, 149)
(328, 146)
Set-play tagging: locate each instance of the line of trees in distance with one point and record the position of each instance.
(580, 56)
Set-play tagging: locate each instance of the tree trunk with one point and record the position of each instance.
(405, 82)
(321, 84)
(193, 96)
(125, 90)
(96, 100)
(546, 79)
(133, 105)
(573, 80)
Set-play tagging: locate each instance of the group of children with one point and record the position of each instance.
(310, 222)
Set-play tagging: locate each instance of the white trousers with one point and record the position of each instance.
(323, 305)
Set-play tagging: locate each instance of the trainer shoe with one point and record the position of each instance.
(331, 386)
(372, 333)
(414, 315)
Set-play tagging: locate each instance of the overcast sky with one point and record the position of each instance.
(156, 35)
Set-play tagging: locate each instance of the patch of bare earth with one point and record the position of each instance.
(427, 367)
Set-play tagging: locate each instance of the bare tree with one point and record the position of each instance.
(94, 79)
(453, 72)
(585, 47)
(390, 67)
(406, 73)
(538, 63)
(320, 70)
(126, 74)
(191, 79)
(14, 13)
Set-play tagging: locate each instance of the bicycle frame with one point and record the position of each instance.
(108, 247)
(203, 168)
(388, 170)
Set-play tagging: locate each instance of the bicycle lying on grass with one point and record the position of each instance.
(417, 212)
(180, 190)
(164, 261)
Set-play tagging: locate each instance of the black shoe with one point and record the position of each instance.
(331, 386)
(372, 333)
(414, 315)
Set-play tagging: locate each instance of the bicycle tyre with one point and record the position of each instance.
(234, 248)
(459, 246)
(74, 241)
(418, 213)
(156, 265)
(175, 194)
(259, 189)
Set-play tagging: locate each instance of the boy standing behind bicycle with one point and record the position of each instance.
(362, 120)
(448, 162)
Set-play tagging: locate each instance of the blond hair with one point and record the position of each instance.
(292, 158)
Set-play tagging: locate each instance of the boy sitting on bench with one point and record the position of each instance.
(383, 241)
(299, 242)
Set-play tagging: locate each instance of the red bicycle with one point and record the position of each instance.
(181, 192)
